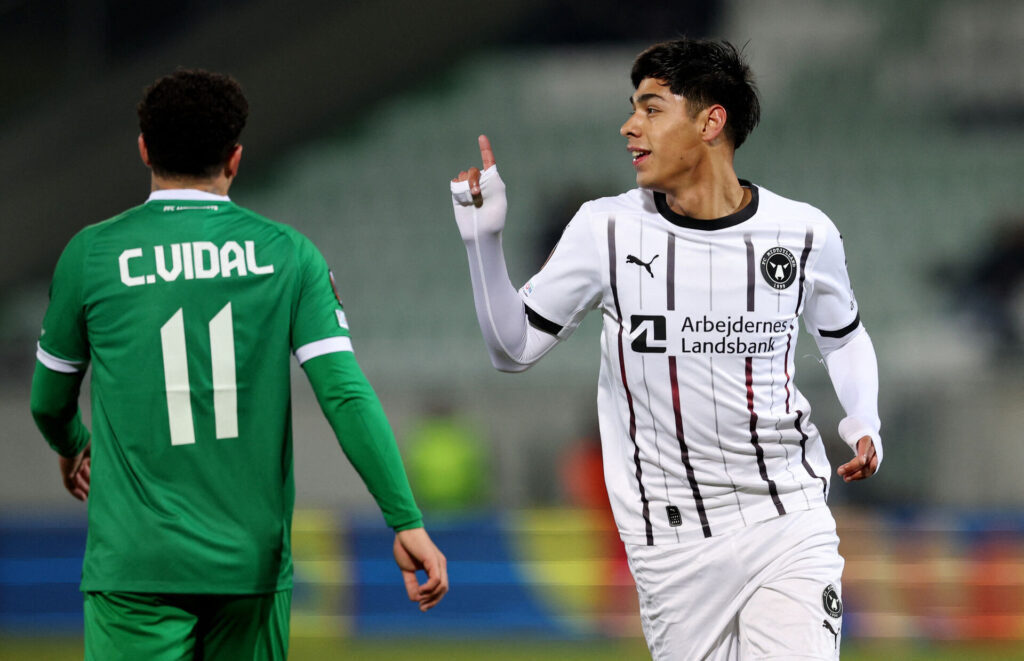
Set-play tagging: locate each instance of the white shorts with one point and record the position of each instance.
(770, 590)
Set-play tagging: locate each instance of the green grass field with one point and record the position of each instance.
(318, 649)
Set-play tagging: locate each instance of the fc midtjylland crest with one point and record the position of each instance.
(831, 601)
(778, 266)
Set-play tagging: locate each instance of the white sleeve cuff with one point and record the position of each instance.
(323, 347)
(852, 429)
(60, 364)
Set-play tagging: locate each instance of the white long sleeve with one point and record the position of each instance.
(853, 369)
(512, 343)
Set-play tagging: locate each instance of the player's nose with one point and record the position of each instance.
(628, 128)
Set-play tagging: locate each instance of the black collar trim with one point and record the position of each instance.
(744, 214)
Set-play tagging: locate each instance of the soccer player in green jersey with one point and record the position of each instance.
(188, 308)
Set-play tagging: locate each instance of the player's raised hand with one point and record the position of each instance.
(75, 471)
(473, 174)
(863, 465)
(414, 551)
(479, 197)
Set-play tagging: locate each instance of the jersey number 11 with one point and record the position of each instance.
(179, 393)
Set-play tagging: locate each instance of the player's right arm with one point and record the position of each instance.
(480, 206)
(62, 358)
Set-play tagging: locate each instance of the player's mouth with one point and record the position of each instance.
(639, 155)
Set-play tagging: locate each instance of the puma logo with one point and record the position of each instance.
(630, 259)
(835, 634)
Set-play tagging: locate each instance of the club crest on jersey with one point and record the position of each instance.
(778, 266)
(831, 601)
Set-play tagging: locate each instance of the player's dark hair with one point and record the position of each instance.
(705, 73)
(191, 120)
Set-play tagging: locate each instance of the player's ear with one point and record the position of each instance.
(143, 151)
(231, 167)
(714, 122)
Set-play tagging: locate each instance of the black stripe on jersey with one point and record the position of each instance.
(844, 331)
(540, 323)
(750, 272)
(625, 384)
(698, 501)
(803, 453)
(670, 273)
(761, 466)
(808, 242)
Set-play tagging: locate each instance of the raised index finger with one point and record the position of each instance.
(486, 153)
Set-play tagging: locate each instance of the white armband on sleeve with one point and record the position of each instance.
(513, 344)
(853, 369)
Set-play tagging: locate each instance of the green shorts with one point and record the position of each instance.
(186, 627)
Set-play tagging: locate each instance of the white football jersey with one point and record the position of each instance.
(702, 427)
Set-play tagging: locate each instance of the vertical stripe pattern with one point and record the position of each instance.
(761, 466)
(684, 452)
(803, 453)
(612, 277)
(808, 242)
(750, 272)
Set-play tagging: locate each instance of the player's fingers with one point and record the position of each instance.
(474, 186)
(436, 587)
(851, 466)
(486, 153)
(462, 177)
(412, 586)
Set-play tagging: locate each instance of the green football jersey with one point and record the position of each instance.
(189, 308)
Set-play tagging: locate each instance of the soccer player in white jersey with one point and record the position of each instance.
(717, 478)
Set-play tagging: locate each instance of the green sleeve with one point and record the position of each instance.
(363, 431)
(55, 410)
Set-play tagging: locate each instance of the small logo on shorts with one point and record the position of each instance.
(778, 266)
(675, 519)
(825, 624)
(831, 601)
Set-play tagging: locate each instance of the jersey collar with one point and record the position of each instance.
(186, 194)
(746, 213)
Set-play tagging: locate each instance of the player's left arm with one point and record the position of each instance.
(54, 405)
(833, 319)
(362, 429)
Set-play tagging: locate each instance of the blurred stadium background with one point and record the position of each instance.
(904, 120)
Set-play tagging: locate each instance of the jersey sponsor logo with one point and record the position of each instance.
(675, 519)
(831, 602)
(195, 260)
(631, 259)
(683, 334)
(648, 333)
(778, 266)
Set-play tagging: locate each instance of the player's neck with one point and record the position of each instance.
(218, 185)
(709, 193)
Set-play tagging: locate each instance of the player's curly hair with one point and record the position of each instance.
(705, 73)
(191, 120)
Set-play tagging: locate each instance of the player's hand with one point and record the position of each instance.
(415, 551)
(863, 465)
(478, 198)
(473, 174)
(74, 471)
